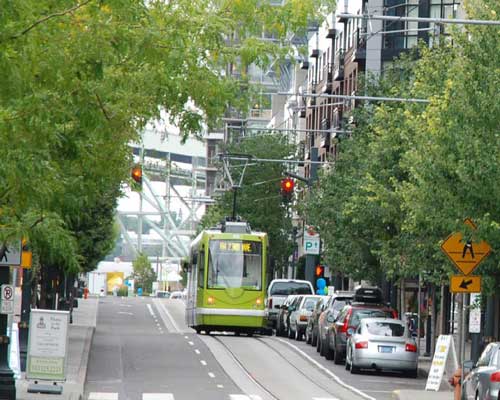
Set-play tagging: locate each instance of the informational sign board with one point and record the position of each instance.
(47, 345)
(7, 299)
(465, 255)
(474, 314)
(445, 360)
(465, 284)
(12, 255)
(312, 241)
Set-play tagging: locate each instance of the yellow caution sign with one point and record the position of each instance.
(465, 284)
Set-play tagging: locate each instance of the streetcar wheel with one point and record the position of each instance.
(250, 334)
(198, 330)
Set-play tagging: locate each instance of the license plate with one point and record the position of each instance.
(385, 349)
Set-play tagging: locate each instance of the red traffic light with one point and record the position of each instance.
(320, 270)
(287, 185)
(137, 173)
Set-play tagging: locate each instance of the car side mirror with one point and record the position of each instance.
(350, 331)
(330, 318)
(468, 365)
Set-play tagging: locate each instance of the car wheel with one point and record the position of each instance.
(338, 356)
(329, 352)
(290, 333)
(354, 369)
(314, 339)
(413, 373)
(323, 346)
(298, 334)
(308, 337)
(348, 360)
(318, 344)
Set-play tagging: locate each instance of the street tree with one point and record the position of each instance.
(143, 274)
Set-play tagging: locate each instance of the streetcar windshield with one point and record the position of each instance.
(235, 263)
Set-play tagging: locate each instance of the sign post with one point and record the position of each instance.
(47, 348)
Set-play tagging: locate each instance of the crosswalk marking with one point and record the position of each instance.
(244, 397)
(103, 396)
(157, 396)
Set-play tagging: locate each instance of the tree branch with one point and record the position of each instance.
(46, 18)
(102, 107)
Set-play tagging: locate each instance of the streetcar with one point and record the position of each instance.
(226, 280)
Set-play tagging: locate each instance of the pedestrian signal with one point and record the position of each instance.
(320, 271)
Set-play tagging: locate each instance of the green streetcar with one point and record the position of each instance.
(226, 280)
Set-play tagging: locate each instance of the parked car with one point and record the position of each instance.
(333, 308)
(288, 312)
(163, 294)
(300, 314)
(382, 344)
(282, 317)
(177, 295)
(482, 380)
(278, 290)
(311, 333)
(337, 331)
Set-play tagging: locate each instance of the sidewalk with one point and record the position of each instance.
(80, 335)
(445, 392)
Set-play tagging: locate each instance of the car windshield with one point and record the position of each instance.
(310, 303)
(385, 329)
(285, 288)
(358, 315)
(235, 263)
(339, 304)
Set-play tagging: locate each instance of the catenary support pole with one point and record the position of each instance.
(25, 316)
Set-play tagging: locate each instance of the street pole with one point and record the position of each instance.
(7, 382)
(418, 311)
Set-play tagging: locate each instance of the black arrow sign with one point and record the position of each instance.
(465, 283)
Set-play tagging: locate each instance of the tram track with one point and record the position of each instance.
(273, 395)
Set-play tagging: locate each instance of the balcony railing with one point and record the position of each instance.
(359, 51)
(260, 113)
(338, 69)
(325, 85)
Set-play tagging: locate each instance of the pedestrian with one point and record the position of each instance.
(456, 382)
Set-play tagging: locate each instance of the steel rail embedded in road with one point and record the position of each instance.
(247, 372)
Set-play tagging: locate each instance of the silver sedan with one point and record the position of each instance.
(482, 381)
(382, 344)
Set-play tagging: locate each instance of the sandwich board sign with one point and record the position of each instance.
(47, 345)
(444, 360)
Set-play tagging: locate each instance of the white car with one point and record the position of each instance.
(300, 314)
(177, 295)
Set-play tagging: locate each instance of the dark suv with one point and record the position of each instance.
(347, 321)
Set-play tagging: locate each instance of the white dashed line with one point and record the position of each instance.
(220, 386)
(211, 375)
(203, 362)
(103, 396)
(186, 337)
(157, 396)
(197, 351)
(191, 343)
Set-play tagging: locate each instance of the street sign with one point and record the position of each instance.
(465, 284)
(474, 314)
(465, 255)
(12, 255)
(7, 297)
(311, 241)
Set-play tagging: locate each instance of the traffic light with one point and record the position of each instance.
(136, 175)
(319, 271)
(287, 185)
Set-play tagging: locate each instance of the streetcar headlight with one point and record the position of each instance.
(210, 300)
(258, 301)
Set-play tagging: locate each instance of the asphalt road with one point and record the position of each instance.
(143, 350)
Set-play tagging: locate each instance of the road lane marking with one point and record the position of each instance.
(324, 398)
(244, 397)
(186, 337)
(150, 310)
(176, 327)
(197, 351)
(157, 396)
(327, 371)
(203, 362)
(125, 312)
(103, 396)
(220, 386)
(191, 343)
(211, 375)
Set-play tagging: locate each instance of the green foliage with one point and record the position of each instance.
(79, 80)
(411, 173)
(143, 274)
(259, 200)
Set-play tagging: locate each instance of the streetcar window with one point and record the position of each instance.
(235, 263)
(201, 269)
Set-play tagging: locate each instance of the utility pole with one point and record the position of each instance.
(25, 316)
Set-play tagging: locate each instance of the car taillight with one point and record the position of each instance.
(361, 345)
(346, 324)
(411, 347)
(495, 377)
(303, 318)
(270, 303)
(394, 314)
